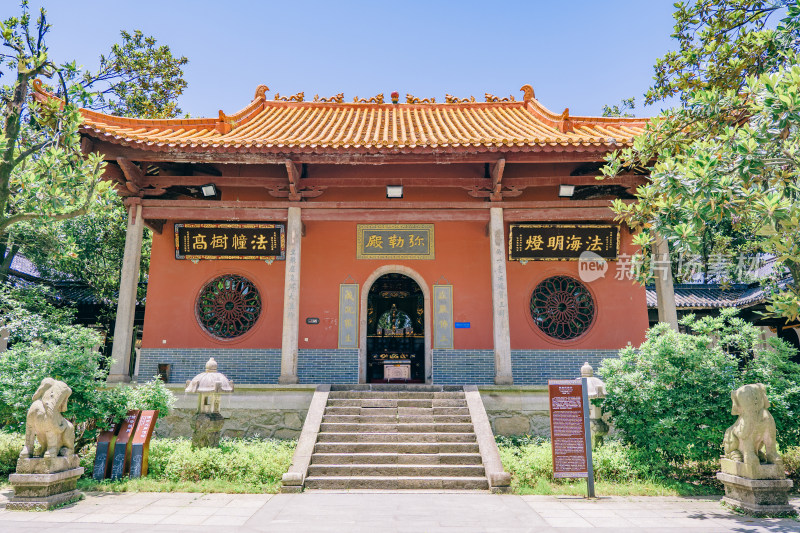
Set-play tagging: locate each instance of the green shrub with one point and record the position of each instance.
(670, 398)
(10, 446)
(791, 461)
(43, 346)
(153, 394)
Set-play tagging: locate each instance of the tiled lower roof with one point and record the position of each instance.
(711, 296)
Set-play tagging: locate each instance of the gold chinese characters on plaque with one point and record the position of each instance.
(395, 241)
(230, 241)
(561, 242)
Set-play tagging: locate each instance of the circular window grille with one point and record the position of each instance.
(228, 306)
(562, 307)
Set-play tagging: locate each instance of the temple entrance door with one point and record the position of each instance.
(395, 331)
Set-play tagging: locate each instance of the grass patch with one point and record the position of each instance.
(619, 471)
(163, 485)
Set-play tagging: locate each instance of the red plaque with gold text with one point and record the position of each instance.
(567, 430)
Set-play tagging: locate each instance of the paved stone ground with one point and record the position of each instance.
(386, 512)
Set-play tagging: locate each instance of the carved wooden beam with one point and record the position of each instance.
(134, 177)
(294, 179)
(497, 179)
(86, 145)
(155, 224)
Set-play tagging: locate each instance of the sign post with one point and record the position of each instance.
(122, 456)
(569, 430)
(141, 443)
(102, 459)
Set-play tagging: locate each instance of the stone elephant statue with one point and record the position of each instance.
(56, 435)
(751, 439)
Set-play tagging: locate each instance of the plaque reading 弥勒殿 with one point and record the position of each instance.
(395, 241)
(230, 241)
(561, 242)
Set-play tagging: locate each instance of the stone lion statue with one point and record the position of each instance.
(44, 423)
(751, 439)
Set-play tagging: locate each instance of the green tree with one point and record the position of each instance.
(723, 163)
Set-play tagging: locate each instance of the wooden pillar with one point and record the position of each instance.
(291, 298)
(665, 293)
(126, 304)
(502, 330)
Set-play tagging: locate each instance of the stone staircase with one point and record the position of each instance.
(396, 437)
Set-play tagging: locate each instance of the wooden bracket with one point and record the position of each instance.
(134, 177)
(496, 173)
(155, 224)
(294, 174)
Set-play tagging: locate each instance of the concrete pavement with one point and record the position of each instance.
(386, 512)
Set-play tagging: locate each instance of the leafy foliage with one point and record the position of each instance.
(10, 446)
(670, 398)
(42, 347)
(150, 395)
(620, 110)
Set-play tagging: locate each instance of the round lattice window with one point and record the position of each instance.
(562, 307)
(228, 306)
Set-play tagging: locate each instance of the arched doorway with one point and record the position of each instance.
(394, 333)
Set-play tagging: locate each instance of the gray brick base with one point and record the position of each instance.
(530, 367)
(327, 366)
(450, 367)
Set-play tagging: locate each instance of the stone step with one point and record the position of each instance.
(402, 411)
(414, 470)
(396, 419)
(332, 427)
(395, 437)
(396, 447)
(399, 395)
(395, 387)
(396, 483)
(377, 458)
(391, 402)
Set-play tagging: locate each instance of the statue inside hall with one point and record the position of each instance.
(395, 322)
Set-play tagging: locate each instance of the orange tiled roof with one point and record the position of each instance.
(333, 126)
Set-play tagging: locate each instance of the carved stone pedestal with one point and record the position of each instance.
(207, 428)
(757, 497)
(42, 483)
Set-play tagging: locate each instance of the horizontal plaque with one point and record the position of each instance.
(561, 242)
(230, 241)
(395, 241)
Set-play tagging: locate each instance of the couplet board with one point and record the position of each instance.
(122, 454)
(102, 459)
(141, 443)
(567, 430)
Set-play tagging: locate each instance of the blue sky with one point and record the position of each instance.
(579, 54)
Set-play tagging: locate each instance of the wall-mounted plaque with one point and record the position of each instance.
(561, 242)
(122, 450)
(442, 317)
(230, 241)
(395, 241)
(567, 430)
(348, 315)
(140, 446)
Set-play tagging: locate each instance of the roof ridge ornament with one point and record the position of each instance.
(337, 98)
(261, 92)
(377, 99)
(411, 99)
(294, 98)
(493, 98)
(529, 94)
(450, 99)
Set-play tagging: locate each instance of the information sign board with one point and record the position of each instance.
(102, 459)
(122, 454)
(141, 443)
(567, 430)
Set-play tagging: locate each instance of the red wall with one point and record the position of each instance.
(328, 258)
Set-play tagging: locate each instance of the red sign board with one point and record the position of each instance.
(141, 443)
(122, 452)
(567, 430)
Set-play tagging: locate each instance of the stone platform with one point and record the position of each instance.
(758, 497)
(43, 483)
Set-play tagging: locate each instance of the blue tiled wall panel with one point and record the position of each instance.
(327, 366)
(530, 367)
(251, 366)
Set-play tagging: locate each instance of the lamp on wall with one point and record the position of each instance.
(566, 191)
(394, 191)
(209, 190)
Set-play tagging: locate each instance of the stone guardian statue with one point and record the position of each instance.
(44, 422)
